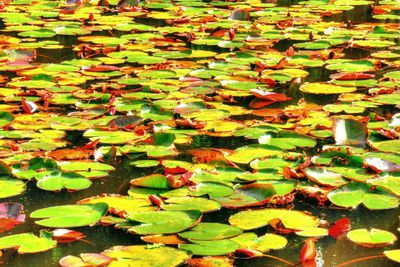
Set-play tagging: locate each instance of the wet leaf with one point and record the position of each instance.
(210, 248)
(371, 238)
(252, 219)
(211, 231)
(163, 222)
(85, 259)
(339, 228)
(394, 254)
(145, 256)
(70, 215)
(27, 243)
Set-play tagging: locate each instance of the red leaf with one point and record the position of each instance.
(176, 181)
(280, 227)
(101, 68)
(308, 252)
(218, 32)
(290, 52)
(340, 227)
(28, 106)
(352, 76)
(270, 95)
(178, 21)
(268, 82)
(66, 235)
(91, 145)
(188, 123)
(175, 170)
(376, 10)
(259, 103)
(155, 200)
(231, 34)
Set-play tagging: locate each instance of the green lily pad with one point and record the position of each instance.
(353, 194)
(27, 243)
(211, 231)
(292, 219)
(152, 181)
(163, 222)
(11, 187)
(5, 118)
(120, 205)
(287, 140)
(244, 155)
(269, 241)
(371, 238)
(191, 203)
(213, 189)
(145, 256)
(394, 254)
(70, 215)
(210, 248)
(387, 183)
(254, 194)
(57, 181)
(351, 66)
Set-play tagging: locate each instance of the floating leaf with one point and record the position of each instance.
(325, 88)
(353, 194)
(70, 215)
(11, 187)
(211, 231)
(57, 181)
(252, 219)
(394, 254)
(85, 259)
(210, 248)
(145, 256)
(27, 243)
(371, 238)
(163, 222)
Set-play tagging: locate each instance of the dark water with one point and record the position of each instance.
(331, 252)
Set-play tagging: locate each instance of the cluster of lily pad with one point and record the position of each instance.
(208, 70)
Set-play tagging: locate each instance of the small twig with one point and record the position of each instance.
(279, 259)
(86, 241)
(361, 259)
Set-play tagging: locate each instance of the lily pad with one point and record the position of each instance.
(27, 243)
(210, 248)
(371, 238)
(353, 194)
(11, 187)
(252, 219)
(145, 256)
(211, 231)
(326, 88)
(70, 215)
(163, 222)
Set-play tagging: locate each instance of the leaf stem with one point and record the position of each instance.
(279, 259)
(361, 259)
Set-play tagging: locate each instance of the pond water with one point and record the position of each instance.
(254, 73)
